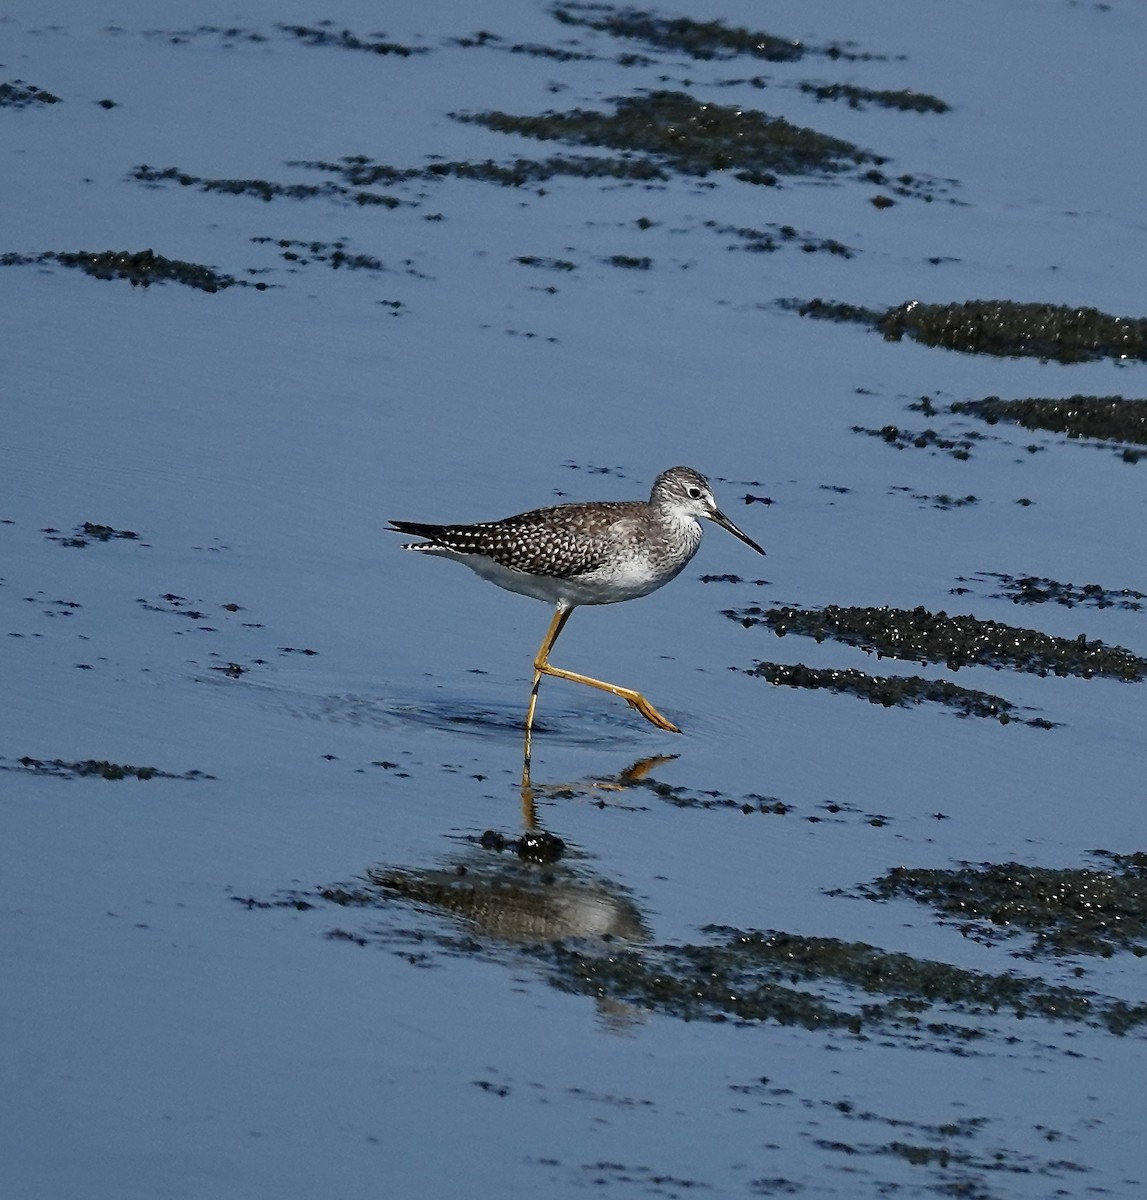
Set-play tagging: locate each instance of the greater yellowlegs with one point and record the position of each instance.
(595, 553)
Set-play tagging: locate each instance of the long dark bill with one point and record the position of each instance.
(725, 523)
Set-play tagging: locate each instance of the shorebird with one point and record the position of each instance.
(601, 552)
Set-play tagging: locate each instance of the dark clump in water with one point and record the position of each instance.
(1065, 910)
(918, 635)
(485, 39)
(360, 173)
(897, 690)
(91, 767)
(89, 532)
(698, 39)
(1001, 327)
(588, 938)
(904, 100)
(140, 268)
(333, 254)
(262, 189)
(703, 40)
(753, 976)
(324, 35)
(773, 237)
(691, 136)
(1109, 418)
(1037, 589)
(959, 448)
(943, 501)
(20, 95)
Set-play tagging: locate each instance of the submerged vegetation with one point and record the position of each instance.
(93, 768)
(747, 976)
(20, 95)
(1081, 910)
(896, 690)
(1107, 418)
(917, 635)
(141, 268)
(1004, 328)
(690, 136)
(1038, 589)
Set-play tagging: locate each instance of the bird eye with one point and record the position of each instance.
(694, 493)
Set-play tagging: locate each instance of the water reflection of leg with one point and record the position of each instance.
(529, 796)
(632, 776)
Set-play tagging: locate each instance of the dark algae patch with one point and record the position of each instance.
(360, 175)
(698, 39)
(141, 268)
(1038, 589)
(1005, 328)
(89, 532)
(324, 34)
(943, 501)
(20, 95)
(690, 136)
(530, 909)
(752, 977)
(1083, 910)
(1105, 418)
(484, 38)
(903, 100)
(333, 254)
(262, 189)
(704, 40)
(773, 237)
(93, 768)
(896, 691)
(918, 635)
(361, 171)
(960, 448)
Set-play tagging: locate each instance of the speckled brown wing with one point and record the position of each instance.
(561, 542)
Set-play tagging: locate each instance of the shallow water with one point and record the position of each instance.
(307, 972)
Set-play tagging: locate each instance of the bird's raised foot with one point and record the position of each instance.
(638, 702)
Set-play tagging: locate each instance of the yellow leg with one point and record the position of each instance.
(542, 667)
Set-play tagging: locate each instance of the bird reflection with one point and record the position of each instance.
(532, 888)
(514, 900)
